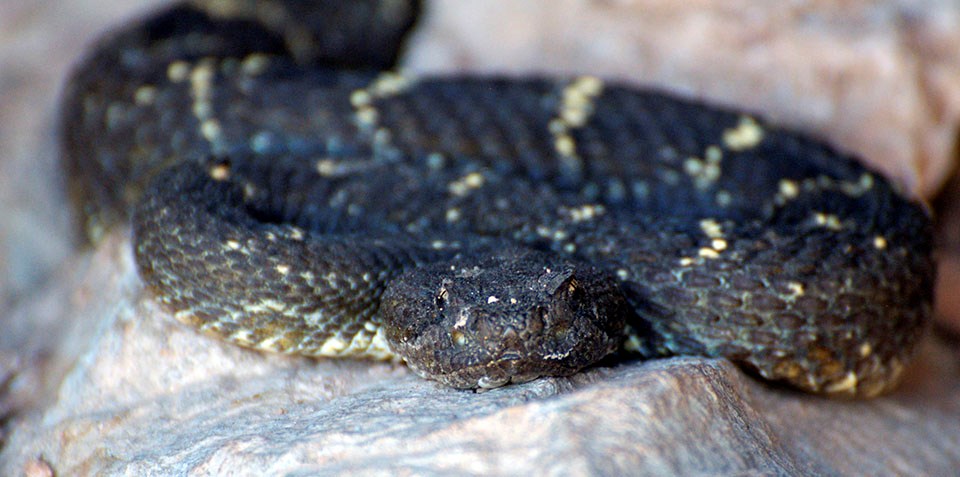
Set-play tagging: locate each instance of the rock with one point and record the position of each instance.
(95, 379)
(947, 208)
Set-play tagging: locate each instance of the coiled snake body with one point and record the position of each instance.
(290, 193)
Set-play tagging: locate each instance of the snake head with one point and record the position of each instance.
(502, 319)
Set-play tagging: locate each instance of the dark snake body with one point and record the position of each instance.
(290, 195)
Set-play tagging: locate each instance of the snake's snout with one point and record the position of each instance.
(511, 318)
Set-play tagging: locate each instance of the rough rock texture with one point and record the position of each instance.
(947, 297)
(95, 379)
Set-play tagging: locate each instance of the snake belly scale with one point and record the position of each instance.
(289, 191)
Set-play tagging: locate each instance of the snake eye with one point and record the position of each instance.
(442, 296)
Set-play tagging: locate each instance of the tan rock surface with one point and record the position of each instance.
(95, 379)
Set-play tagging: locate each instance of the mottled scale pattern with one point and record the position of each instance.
(290, 190)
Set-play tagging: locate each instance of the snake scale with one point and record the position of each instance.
(290, 191)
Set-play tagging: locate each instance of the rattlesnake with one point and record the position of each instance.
(291, 192)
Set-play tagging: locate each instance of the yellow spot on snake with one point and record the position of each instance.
(201, 88)
(576, 107)
(586, 212)
(367, 116)
(202, 110)
(847, 384)
(326, 167)
(789, 189)
(711, 228)
(220, 172)
(474, 180)
(243, 337)
(271, 343)
(880, 242)
(574, 117)
(211, 129)
(465, 184)
(708, 253)
(587, 86)
(334, 346)
(255, 64)
(265, 306)
(704, 172)
(145, 95)
(829, 221)
(390, 83)
(796, 289)
(453, 214)
(693, 166)
(713, 154)
(746, 135)
(858, 188)
(178, 71)
(565, 145)
(360, 98)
